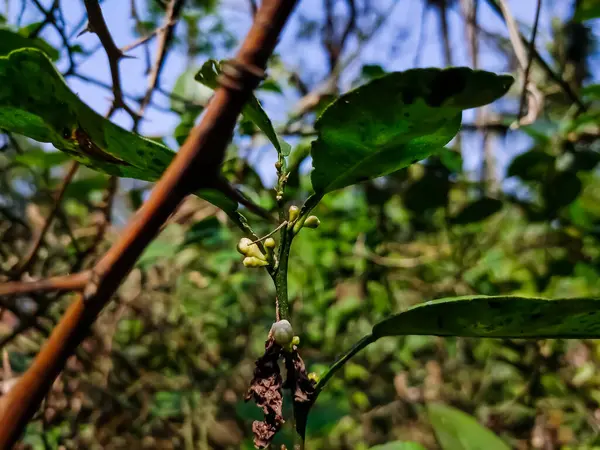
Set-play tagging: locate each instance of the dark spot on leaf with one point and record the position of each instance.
(157, 162)
(446, 84)
(406, 114)
(536, 316)
(440, 322)
(140, 152)
(495, 304)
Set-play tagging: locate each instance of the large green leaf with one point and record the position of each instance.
(36, 102)
(208, 74)
(398, 445)
(497, 317)
(587, 10)
(456, 430)
(11, 40)
(394, 121)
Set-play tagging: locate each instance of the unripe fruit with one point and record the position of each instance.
(269, 243)
(312, 222)
(282, 332)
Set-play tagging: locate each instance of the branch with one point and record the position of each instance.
(165, 38)
(538, 58)
(33, 251)
(195, 166)
(98, 25)
(73, 282)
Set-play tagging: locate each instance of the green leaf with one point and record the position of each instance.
(452, 160)
(477, 211)
(398, 445)
(533, 165)
(10, 40)
(208, 74)
(497, 317)
(395, 121)
(587, 10)
(456, 430)
(36, 102)
(41, 159)
(561, 190)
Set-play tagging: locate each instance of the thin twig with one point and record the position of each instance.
(164, 40)
(61, 283)
(33, 250)
(146, 38)
(530, 61)
(551, 73)
(535, 97)
(98, 26)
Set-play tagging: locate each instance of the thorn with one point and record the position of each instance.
(86, 29)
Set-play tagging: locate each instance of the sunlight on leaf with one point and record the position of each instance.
(36, 102)
(395, 121)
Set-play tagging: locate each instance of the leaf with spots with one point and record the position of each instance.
(253, 111)
(497, 317)
(481, 316)
(395, 121)
(36, 102)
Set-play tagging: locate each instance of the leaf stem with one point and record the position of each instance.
(368, 339)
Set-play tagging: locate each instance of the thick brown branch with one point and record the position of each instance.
(73, 282)
(195, 166)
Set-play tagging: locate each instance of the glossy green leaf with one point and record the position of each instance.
(497, 317)
(11, 40)
(477, 211)
(394, 121)
(587, 10)
(208, 74)
(36, 102)
(398, 445)
(456, 430)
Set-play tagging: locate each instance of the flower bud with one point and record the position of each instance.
(253, 262)
(247, 248)
(282, 332)
(269, 243)
(293, 213)
(278, 165)
(312, 222)
(244, 245)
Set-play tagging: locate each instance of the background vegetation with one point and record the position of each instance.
(513, 210)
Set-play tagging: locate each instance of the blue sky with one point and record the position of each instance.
(401, 31)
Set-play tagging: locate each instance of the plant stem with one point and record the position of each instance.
(369, 339)
(280, 278)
